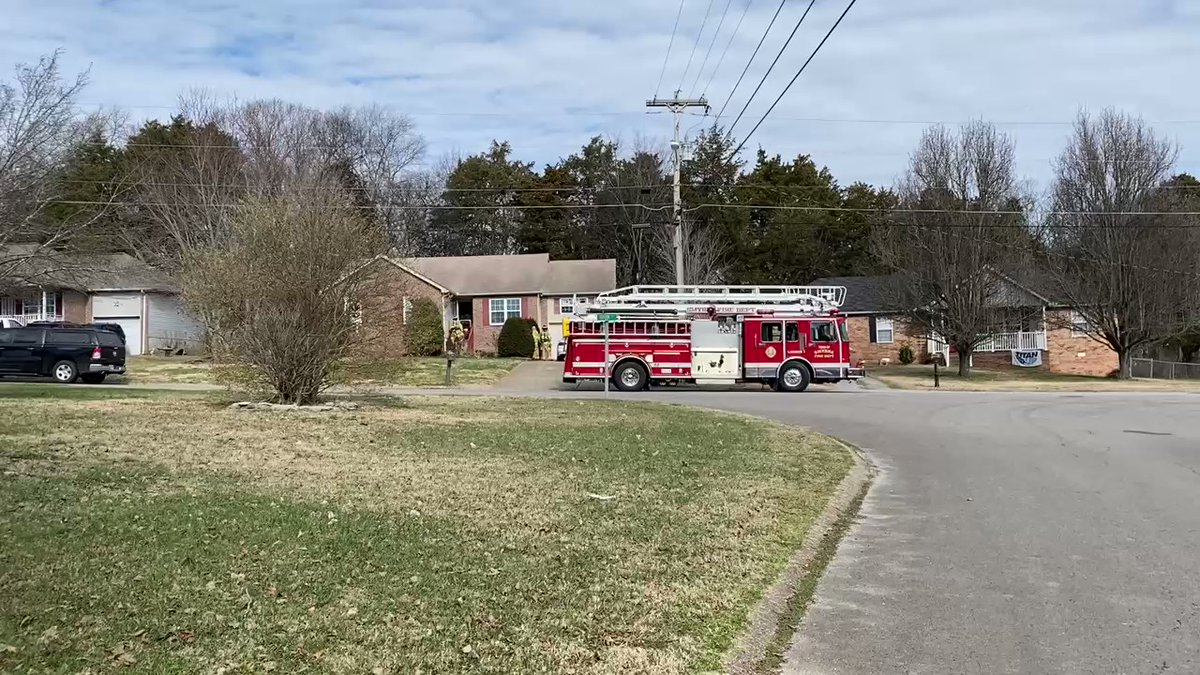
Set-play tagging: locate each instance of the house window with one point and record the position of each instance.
(1080, 326)
(503, 309)
(885, 332)
(567, 305)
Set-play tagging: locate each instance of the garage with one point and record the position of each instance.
(125, 310)
(556, 335)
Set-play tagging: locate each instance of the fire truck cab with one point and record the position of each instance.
(783, 336)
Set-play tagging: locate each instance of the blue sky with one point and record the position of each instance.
(548, 75)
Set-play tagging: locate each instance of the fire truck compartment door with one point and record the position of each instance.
(715, 349)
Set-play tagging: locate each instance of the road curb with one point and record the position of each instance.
(751, 648)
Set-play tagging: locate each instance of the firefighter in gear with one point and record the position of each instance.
(537, 342)
(545, 345)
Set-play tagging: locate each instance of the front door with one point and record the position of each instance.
(826, 352)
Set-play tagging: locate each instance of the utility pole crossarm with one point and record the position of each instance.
(678, 106)
(681, 103)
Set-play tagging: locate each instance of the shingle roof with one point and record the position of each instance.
(863, 294)
(580, 276)
(526, 274)
(90, 271)
(869, 294)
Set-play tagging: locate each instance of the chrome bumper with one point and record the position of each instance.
(106, 368)
(855, 373)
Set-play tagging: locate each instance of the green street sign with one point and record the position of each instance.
(607, 318)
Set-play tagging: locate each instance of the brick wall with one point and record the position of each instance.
(485, 334)
(1075, 355)
(382, 302)
(861, 347)
(996, 361)
(75, 307)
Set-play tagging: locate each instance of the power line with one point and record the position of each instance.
(764, 207)
(669, 45)
(524, 188)
(748, 63)
(796, 76)
(695, 45)
(403, 207)
(787, 42)
(725, 51)
(499, 188)
(708, 52)
(431, 113)
(1003, 212)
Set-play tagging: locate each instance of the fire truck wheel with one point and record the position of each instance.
(630, 376)
(792, 377)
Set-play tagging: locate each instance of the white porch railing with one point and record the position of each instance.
(996, 342)
(1004, 342)
(27, 319)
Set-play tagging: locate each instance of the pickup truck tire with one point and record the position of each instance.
(64, 372)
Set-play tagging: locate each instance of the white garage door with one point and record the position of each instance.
(125, 310)
(133, 334)
(556, 334)
(116, 305)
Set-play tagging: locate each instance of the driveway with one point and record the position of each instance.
(1007, 533)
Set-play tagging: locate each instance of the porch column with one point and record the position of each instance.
(43, 304)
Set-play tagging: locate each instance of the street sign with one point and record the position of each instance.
(607, 318)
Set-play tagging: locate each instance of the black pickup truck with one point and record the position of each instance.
(65, 354)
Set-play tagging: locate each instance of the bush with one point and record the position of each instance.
(906, 355)
(423, 334)
(516, 338)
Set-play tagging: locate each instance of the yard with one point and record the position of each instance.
(426, 535)
(407, 372)
(981, 379)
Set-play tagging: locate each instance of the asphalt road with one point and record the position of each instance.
(1007, 533)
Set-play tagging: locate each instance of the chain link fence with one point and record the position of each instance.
(1165, 370)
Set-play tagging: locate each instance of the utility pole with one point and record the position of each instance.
(677, 106)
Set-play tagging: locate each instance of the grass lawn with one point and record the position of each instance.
(409, 372)
(430, 535)
(921, 377)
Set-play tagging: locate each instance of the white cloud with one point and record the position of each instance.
(540, 73)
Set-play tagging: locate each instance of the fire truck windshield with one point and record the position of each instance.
(824, 332)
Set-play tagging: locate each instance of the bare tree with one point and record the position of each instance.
(1119, 262)
(40, 124)
(961, 225)
(278, 294)
(266, 148)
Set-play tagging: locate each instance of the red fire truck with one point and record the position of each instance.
(784, 336)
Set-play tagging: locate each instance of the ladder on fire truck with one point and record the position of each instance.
(684, 299)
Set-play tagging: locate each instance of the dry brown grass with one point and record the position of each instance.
(921, 377)
(397, 535)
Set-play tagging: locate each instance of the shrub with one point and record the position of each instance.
(516, 338)
(423, 333)
(906, 354)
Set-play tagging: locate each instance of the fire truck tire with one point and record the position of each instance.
(630, 376)
(793, 376)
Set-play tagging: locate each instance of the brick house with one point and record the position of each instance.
(1028, 319)
(103, 287)
(481, 292)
